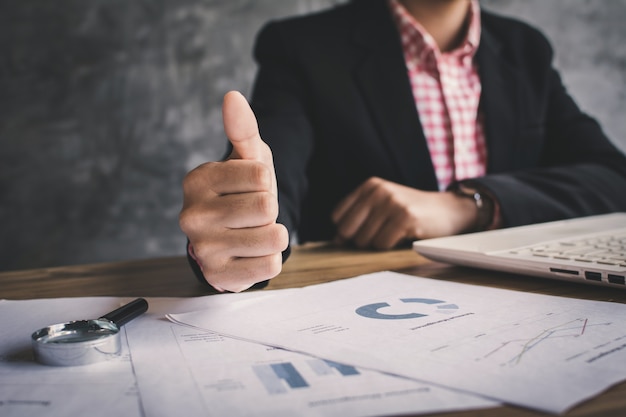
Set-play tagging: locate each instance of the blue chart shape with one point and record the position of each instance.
(372, 310)
(325, 367)
(274, 376)
(448, 307)
(421, 300)
(288, 372)
(344, 370)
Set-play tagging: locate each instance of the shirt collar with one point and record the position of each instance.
(412, 31)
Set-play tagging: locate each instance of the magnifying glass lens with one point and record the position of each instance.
(77, 332)
(83, 342)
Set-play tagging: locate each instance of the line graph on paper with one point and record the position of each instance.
(513, 352)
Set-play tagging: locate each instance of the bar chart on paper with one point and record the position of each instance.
(325, 367)
(216, 376)
(278, 377)
(544, 352)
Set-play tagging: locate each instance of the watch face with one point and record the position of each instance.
(484, 205)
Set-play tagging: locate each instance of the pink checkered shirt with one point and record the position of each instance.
(446, 88)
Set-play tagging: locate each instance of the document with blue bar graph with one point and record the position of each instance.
(196, 373)
(537, 351)
(165, 369)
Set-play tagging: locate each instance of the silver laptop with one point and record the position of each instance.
(587, 249)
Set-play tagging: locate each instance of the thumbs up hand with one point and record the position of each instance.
(230, 207)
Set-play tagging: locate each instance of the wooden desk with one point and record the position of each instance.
(308, 265)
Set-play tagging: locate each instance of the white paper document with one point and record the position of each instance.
(537, 351)
(166, 369)
(29, 389)
(206, 374)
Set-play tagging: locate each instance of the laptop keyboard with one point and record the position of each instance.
(607, 250)
(596, 251)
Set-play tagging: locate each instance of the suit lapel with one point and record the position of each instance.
(499, 99)
(385, 85)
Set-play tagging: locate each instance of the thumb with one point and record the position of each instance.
(241, 127)
(242, 130)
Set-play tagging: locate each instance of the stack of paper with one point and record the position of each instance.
(379, 344)
(537, 351)
(166, 369)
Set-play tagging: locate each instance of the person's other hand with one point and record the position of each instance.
(381, 214)
(230, 207)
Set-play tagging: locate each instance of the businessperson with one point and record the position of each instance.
(379, 122)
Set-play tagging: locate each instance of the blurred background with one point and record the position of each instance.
(106, 104)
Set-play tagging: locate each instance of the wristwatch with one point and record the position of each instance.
(484, 205)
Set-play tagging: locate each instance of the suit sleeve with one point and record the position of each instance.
(279, 100)
(579, 171)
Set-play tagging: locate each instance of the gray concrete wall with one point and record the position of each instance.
(106, 104)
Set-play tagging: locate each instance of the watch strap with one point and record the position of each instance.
(484, 204)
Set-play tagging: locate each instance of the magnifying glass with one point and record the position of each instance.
(83, 342)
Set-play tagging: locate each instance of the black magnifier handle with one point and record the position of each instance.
(127, 312)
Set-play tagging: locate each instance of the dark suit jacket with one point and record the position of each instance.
(334, 103)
